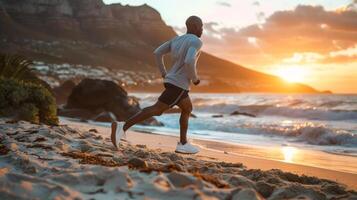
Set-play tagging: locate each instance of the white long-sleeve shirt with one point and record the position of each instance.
(185, 50)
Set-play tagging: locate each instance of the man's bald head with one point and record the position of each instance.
(194, 25)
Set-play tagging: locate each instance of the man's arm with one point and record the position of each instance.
(159, 56)
(191, 61)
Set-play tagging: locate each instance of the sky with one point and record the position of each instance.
(307, 41)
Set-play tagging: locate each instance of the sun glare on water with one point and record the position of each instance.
(292, 74)
(288, 153)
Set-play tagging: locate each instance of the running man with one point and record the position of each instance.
(185, 50)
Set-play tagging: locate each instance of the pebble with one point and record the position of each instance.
(137, 163)
(238, 180)
(93, 130)
(182, 179)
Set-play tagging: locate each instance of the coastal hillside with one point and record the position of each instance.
(116, 39)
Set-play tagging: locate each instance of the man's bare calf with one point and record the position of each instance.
(155, 110)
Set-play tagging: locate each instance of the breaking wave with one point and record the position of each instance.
(311, 134)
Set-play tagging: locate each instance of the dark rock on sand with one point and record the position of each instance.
(137, 163)
(217, 116)
(105, 117)
(76, 113)
(93, 130)
(179, 179)
(96, 96)
(142, 146)
(62, 92)
(243, 113)
(238, 180)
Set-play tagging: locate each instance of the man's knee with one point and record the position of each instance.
(186, 110)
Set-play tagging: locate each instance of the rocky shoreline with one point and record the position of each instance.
(63, 162)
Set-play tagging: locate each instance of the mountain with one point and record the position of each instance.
(118, 37)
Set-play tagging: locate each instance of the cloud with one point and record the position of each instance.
(307, 31)
(180, 30)
(210, 27)
(256, 3)
(222, 3)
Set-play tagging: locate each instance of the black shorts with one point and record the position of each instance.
(172, 95)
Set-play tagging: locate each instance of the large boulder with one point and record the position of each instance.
(62, 92)
(98, 96)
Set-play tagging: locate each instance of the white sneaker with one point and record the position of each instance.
(187, 148)
(117, 133)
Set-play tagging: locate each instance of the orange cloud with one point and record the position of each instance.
(285, 33)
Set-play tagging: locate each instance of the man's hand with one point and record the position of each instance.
(197, 82)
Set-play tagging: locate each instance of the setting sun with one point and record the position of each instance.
(292, 74)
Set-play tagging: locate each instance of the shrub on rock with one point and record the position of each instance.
(27, 101)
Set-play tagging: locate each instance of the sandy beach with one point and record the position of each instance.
(77, 161)
(220, 151)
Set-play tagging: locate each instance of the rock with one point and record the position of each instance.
(30, 170)
(246, 194)
(137, 163)
(243, 113)
(93, 130)
(217, 116)
(225, 164)
(102, 95)
(141, 153)
(334, 188)
(273, 180)
(76, 113)
(88, 135)
(105, 117)
(265, 189)
(3, 149)
(179, 179)
(118, 159)
(61, 145)
(142, 146)
(238, 180)
(62, 92)
(85, 146)
(179, 167)
(162, 182)
(98, 137)
(174, 157)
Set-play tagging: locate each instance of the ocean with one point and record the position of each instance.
(310, 129)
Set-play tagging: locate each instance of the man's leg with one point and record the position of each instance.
(155, 110)
(186, 109)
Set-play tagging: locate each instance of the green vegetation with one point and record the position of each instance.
(17, 67)
(22, 94)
